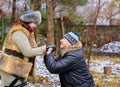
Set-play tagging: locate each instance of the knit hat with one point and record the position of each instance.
(72, 37)
(31, 16)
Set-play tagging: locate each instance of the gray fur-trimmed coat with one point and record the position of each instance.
(71, 67)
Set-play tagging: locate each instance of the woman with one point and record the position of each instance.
(19, 50)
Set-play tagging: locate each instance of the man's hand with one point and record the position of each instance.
(50, 48)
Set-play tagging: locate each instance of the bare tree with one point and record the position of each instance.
(93, 34)
(113, 9)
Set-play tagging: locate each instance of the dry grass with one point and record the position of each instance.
(104, 80)
(107, 84)
(97, 59)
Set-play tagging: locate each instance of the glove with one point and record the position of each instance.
(50, 46)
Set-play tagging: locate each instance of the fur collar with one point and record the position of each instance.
(71, 48)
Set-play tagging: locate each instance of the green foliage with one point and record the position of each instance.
(70, 6)
(42, 28)
(76, 20)
(44, 16)
(77, 23)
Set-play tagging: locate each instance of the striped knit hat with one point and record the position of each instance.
(72, 37)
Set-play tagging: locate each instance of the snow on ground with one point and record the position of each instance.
(113, 47)
(99, 67)
(41, 70)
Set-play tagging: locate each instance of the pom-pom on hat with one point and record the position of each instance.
(72, 37)
(31, 16)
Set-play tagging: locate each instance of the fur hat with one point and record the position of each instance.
(31, 16)
(72, 37)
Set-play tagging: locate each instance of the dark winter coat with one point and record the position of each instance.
(71, 68)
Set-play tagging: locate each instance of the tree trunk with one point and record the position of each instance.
(32, 4)
(37, 6)
(62, 25)
(3, 30)
(50, 25)
(13, 10)
(93, 34)
(27, 5)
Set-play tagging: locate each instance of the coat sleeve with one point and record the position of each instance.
(56, 66)
(21, 40)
